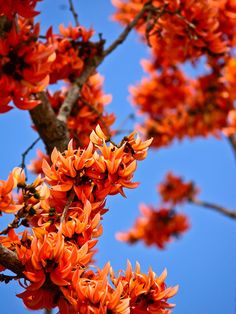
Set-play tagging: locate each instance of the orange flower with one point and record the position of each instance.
(25, 66)
(24, 8)
(36, 164)
(72, 49)
(200, 108)
(147, 293)
(156, 227)
(97, 171)
(7, 203)
(174, 190)
(184, 30)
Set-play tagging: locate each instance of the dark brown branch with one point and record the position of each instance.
(52, 131)
(9, 260)
(219, 209)
(48, 311)
(74, 13)
(67, 206)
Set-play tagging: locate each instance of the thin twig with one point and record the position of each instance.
(48, 311)
(219, 209)
(13, 224)
(7, 278)
(74, 13)
(25, 153)
(130, 116)
(67, 206)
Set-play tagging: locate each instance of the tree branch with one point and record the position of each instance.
(25, 153)
(74, 92)
(9, 260)
(127, 30)
(48, 311)
(52, 131)
(219, 209)
(74, 13)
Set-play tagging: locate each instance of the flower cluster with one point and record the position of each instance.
(182, 30)
(25, 8)
(200, 107)
(159, 226)
(156, 226)
(24, 65)
(64, 210)
(175, 191)
(177, 32)
(73, 49)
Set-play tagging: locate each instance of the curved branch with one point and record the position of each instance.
(9, 260)
(225, 211)
(90, 68)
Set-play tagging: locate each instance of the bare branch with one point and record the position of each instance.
(74, 13)
(219, 209)
(48, 311)
(9, 260)
(52, 131)
(68, 203)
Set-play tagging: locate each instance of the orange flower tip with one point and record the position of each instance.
(120, 236)
(173, 292)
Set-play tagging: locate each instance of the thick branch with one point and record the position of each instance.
(52, 131)
(219, 209)
(9, 260)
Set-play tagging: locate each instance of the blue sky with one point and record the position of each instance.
(202, 262)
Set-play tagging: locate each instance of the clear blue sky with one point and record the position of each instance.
(203, 261)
